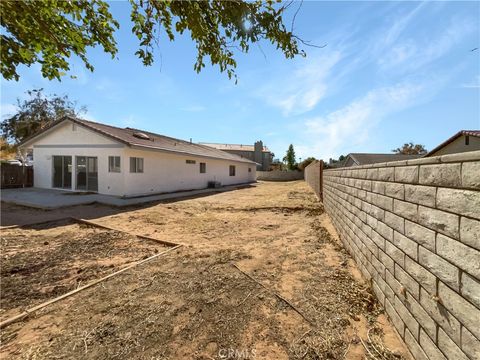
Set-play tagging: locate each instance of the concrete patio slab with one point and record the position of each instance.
(49, 199)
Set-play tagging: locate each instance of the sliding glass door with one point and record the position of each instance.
(87, 173)
(62, 172)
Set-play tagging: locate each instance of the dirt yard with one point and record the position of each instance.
(261, 276)
(49, 260)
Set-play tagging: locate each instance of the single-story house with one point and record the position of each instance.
(80, 155)
(354, 159)
(463, 141)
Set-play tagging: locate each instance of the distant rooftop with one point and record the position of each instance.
(366, 158)
(236, 147)
(475, 133)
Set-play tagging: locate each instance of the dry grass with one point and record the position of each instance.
(298, 294)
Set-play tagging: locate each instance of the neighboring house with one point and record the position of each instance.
(354, 159)
(463, 141)
(80, 155)
(257, 152)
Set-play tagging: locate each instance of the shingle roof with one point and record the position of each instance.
(236, 147)
(155, 141)
(449, 140)
(365, 158)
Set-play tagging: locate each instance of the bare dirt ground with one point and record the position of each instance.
(262, 275)
(49, 260)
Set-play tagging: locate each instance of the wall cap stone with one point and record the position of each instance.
(458, 157)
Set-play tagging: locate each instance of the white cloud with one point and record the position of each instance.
(8, 110)
(410, 54)
(475, 84)
(88, 116)
(399, 26)
(301, 90)
(327, 136)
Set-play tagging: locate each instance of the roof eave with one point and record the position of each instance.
(445, 143)
(155, 148)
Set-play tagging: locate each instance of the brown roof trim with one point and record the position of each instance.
(38, 133)
(102, 129)
(74, 120)
(475, 133)
(85, 124)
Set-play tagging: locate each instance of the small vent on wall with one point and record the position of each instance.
(141, 135)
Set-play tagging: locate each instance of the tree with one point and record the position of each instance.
(36, 113)
(305, 163)
(334, 161)
(51, 32)
(411, 149)
(289, 158)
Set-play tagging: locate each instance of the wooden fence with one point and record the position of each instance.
(314, 177)
(16, 176)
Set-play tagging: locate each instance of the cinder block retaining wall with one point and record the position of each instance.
(313, 178)
(279, 175)
(413, 228)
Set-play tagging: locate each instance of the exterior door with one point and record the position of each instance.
(62, 172)
(87, 173)
(92, 174)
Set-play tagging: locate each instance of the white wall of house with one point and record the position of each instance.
(163, 171)
(108, 183)
(459, 145)
(68, 139)
(166, 172)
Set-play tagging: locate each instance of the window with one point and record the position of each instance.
(467, 140)
(232, 170)
(114, 164)
(190, 161)
(203, 168)
(136, 165)
(249, 169)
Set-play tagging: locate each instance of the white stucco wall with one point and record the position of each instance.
(166, 172)
(108, 183)
(163, 171)
(64, 141)
(458, 146)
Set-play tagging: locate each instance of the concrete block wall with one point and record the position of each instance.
(312, 177)
(277, 175)
(413, 228)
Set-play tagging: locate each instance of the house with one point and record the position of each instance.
(463, 141)
(354, 159)
(80, 155)
(257, 152)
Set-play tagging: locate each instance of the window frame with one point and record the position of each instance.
(232, 170)
(138, 167)
(203, 166)
(115, 168)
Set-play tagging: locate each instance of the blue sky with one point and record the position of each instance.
(391, 73)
